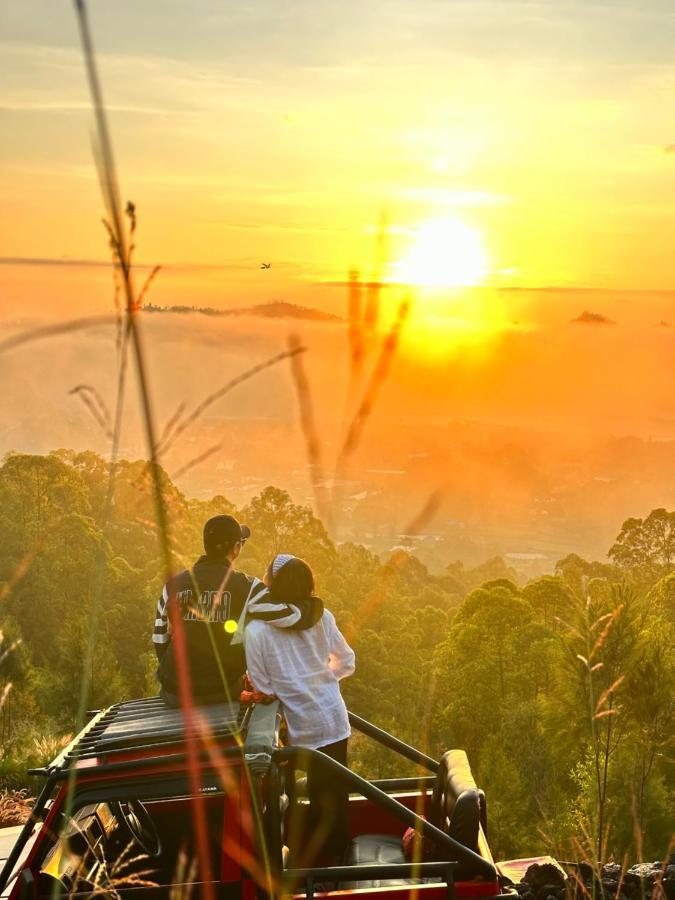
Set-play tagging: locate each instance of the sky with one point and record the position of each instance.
(292, 133)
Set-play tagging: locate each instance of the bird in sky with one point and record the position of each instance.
(266, 266)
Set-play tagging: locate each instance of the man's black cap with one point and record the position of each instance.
(221, 533)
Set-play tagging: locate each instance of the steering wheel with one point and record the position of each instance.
(137, 822)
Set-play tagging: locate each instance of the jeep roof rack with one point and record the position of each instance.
(138, 726)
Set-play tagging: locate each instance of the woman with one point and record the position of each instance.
(295, 650)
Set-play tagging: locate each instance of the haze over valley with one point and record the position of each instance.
(538, 436)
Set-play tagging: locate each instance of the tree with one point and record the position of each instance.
(646, 547)
(550, 598)
(490, 570)
(661, 599)
(650, 711)
(280, 526)
(575, 572)
(35, 493)
(490, 674)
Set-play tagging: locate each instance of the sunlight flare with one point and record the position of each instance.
(446, 253)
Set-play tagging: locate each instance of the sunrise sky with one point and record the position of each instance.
(285, 132)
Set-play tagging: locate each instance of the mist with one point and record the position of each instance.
(541, 437)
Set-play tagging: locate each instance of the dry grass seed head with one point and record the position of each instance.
(15, 807)
(201, 408)
(195, 461)
(376, 382)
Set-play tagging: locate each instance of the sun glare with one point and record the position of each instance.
(446, 253)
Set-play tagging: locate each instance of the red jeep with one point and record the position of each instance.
(148, 802)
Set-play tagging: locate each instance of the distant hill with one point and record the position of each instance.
(592, 318)
(275, 309)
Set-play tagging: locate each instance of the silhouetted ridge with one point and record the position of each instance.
(275, 309)
(592, 318)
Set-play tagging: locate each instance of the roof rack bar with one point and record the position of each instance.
(102, 742)
(58, 761)
(122, 741)
(140, 701)
(151, 708)
(114, 751)
(148, 761)
(121, 716)
(149, 716)
(115, 732)
(388, 740)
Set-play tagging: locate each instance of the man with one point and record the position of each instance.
(209, 603)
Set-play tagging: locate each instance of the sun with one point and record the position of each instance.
(446, 253)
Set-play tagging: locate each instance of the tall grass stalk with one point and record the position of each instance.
(42, 332)
(96, 406)
(310, 431)
(178, 425)
(375, 383)
(122, 251)
(593, 633)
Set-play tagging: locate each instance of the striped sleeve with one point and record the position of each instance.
(262, 608)
(257, 588)
(162, 631)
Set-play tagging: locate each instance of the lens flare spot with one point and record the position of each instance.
(230, 626)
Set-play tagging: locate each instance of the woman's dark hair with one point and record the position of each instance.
(293, 582)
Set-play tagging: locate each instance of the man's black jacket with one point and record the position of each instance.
(208, 600)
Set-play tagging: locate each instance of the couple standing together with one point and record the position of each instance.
(280, 632)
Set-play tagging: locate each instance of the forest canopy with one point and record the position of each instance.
(560, 690)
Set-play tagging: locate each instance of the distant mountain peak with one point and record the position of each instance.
(592, 318)
(281, 309)
(274, 309)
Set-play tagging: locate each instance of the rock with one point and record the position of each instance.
(586, 872)
(645, 870)
(544, 879)
(612, 871)
(669, 882)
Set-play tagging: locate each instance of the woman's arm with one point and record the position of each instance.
(254, 646)
(342, 659)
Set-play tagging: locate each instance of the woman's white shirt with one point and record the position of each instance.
(303, 669)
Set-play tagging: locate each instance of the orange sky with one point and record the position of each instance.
(256, 133)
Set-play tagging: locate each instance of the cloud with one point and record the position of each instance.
(592, 318)
(47, 261)
(253, 263)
